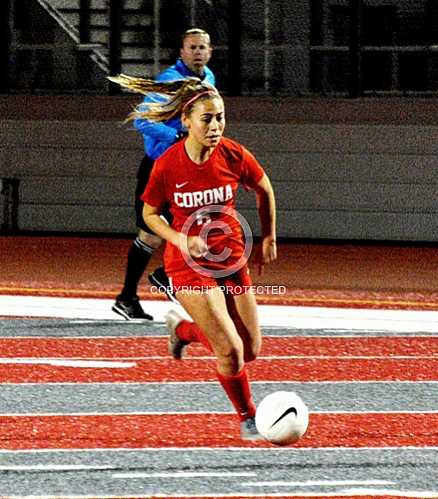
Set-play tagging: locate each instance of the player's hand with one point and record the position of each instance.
(268, 253)
(194, 246)
(197, 246)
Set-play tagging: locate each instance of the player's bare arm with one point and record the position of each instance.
(267, 213)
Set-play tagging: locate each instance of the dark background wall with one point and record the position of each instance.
(342, 169)
(362, 167)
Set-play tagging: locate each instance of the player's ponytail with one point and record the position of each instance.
(166, 100)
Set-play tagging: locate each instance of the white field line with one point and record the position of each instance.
(270, 315)
(256, 382)
(313, 483)
(215, 450)
(184, 474)
(63, 362)
(192, 413)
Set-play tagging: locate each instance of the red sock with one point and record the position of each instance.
(239, 392)
(189, 331)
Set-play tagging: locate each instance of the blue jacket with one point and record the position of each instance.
(157, 137)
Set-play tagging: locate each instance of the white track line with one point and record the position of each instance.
(255, 382)
(189, 413)
(312, 483)
(65, 362)
(270, 315)
(183, 474)
(432, 449)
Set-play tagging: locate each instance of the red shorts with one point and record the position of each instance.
(191, 281)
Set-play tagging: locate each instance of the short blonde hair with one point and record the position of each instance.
(194, 31)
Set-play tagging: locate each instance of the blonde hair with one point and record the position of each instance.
(175, 97)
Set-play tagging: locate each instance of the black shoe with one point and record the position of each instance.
(159, 279)
(131, 310)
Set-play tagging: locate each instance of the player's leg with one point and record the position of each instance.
(243, 310)
(160, 279)
(242, 307)
(209, 312)
(181, 333)
(127, 303)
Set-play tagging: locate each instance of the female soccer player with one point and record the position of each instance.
(205, 254)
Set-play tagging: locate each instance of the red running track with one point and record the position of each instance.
(217, 430)
(166, 370)
(210, 430)
(135, 347)
(377, 275)
(146, 360)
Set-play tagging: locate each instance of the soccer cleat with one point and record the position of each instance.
(159, 279)
(175, 345)
(248, 430)
(131, 310)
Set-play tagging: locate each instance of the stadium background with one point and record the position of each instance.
(337, 99)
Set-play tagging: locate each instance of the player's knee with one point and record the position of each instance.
(230, 357)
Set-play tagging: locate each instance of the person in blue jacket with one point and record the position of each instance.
(195, 53)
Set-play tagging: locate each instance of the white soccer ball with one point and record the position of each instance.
(282, 417)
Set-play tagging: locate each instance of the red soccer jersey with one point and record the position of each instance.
(200, 196)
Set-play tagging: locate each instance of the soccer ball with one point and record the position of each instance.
(282, 418)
